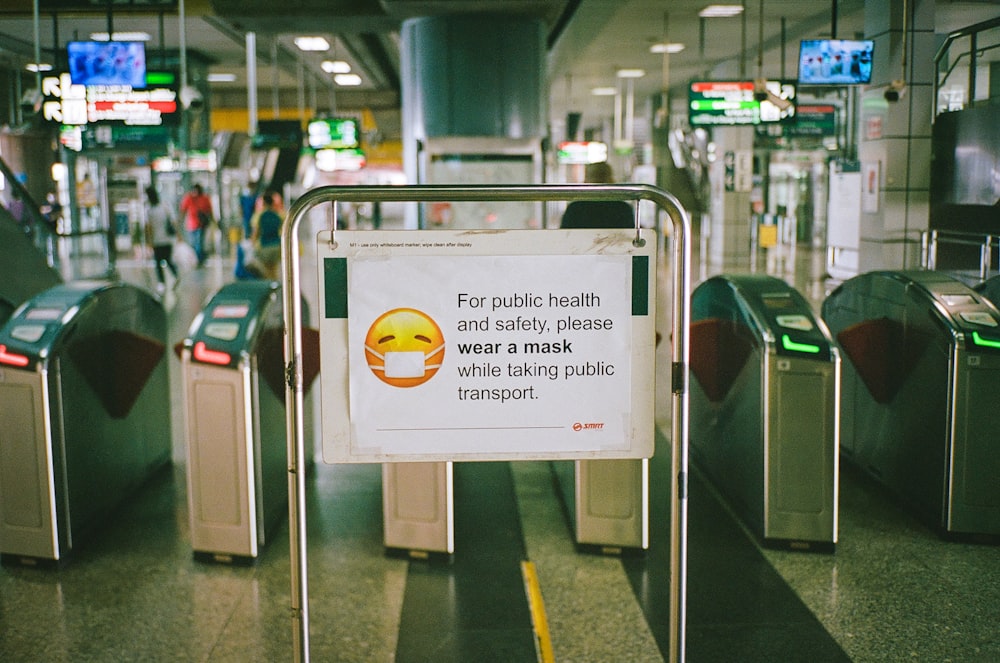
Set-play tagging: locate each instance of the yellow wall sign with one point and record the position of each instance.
(486, 345)
(767, 235)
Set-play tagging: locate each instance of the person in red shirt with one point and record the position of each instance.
(196, 207)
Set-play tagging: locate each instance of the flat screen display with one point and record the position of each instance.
(332, 133)
(93, 63)
(835, 61)
(728, 103)
(582, 152)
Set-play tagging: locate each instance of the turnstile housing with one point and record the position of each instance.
(237, 474)
(608, 502)
(764, 407)
(921, 406)
(84, 395)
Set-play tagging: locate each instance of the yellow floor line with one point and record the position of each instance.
(537, 607)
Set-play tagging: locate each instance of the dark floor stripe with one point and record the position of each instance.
(474, 609)
(738, 607)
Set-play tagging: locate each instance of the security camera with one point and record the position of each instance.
(760, 92)
(191, 98)
(895, 91)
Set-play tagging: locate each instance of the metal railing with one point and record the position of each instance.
(931, 239)
(946, 63)
(294, 392)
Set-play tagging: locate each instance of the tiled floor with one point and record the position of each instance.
(892, 591)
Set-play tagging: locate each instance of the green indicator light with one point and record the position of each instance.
(160, 78)
(789, 344)
(985, 342)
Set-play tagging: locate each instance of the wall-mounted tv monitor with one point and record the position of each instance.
(332, 133)
(730, 103)
(835, 61)
(107, 63)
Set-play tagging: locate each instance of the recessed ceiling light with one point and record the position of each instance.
(120, 36)
(335, 67)
(603, 91)
(347, 80)
(221, 78)
(721, 11)
(312, 43)
(666, 48)
(630, 73)
(31, 66)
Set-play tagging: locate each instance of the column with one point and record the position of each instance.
(894, 137)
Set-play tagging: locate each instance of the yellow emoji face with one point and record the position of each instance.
(404, 347)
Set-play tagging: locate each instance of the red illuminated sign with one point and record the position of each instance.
(202, 353)
(12, 359)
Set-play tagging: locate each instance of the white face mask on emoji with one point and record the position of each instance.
(407, 364)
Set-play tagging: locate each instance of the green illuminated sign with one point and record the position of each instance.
(160, 78)
(985, 342)
(791, 345)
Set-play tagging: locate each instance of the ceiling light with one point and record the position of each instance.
(630, 73)
(666, 48)
(347, 80)
(721, 11)
(31, 66)
(335, 67)
(312, 43)
(603, 91)
(120, 36)
(221, 78)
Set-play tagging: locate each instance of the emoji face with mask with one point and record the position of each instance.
(404, 347)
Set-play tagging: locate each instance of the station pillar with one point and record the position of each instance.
(894, 137)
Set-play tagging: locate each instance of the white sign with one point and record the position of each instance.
(486, 345)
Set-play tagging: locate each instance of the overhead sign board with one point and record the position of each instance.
(582, 152)
(486, 345)
(68, 103)
(727, 103)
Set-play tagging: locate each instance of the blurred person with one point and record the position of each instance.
(160, 234)
(598, 213)
(267, 237)
(196, 207)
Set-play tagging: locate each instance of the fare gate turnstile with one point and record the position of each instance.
(608, 503)
(921, 406)
(764, 407)
(234, 400)
(84, 394)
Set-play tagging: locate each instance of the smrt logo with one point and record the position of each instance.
(591, 426)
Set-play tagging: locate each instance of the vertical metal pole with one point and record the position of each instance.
(251, 40)
(275, 73)
(292, 306)
(38, 46)
(984, 257)
(932, 252)
(973, 47)
(301, 89)
(679, 435)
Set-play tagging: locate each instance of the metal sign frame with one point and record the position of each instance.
(294, 391)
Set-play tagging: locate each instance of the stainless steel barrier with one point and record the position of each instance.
(765, 407)
(931, 240)
(234, 407)
(85, 394)
(920, 403)
(678, 379)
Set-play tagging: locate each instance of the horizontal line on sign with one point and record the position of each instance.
(393, 430)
